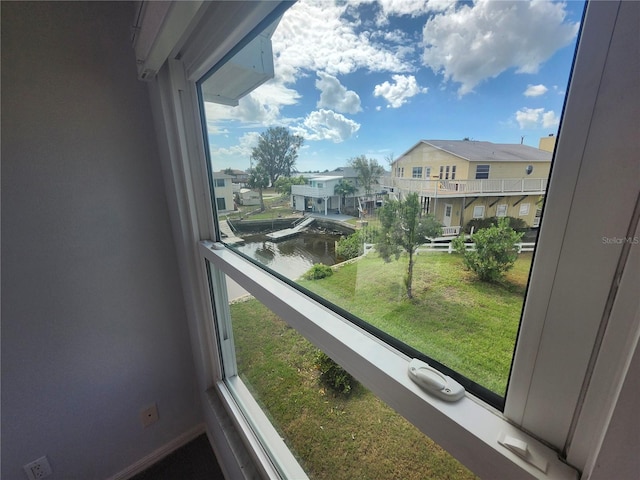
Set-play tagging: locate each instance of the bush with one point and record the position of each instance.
(480, 223)
(351, 246)
(495, 251)
(318, 271)
(333, 375)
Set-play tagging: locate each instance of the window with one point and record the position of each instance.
(453, 172)
(221, 203)
(416, 172)
(524, 209)
(441, 176)
(482, 172)
(427, 173)
(385, 373)
(478, 211)
(501, 210)
(219, 182)
(446, 174)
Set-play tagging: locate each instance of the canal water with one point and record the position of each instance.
(294, 256)
(291, 258)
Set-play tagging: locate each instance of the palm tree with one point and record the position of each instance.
(344, 188)
(369, 171)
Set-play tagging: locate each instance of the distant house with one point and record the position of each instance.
(223, 191)
(237, 176)
(246, 196)
(458, 180)
(319, 196)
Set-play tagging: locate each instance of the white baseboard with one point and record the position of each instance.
(159, 454)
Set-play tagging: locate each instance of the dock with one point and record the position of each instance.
(227, 234)
(290, 232)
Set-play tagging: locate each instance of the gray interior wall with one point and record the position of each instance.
(93, 318)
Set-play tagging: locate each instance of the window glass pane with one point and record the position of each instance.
(335, 428)
(482, 171)
(310, 140)
(478, 211)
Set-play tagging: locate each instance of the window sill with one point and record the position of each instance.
(468, 429)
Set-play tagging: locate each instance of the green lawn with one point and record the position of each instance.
(469, 326)
(334, 437)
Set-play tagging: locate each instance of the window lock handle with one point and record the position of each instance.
(434, 382)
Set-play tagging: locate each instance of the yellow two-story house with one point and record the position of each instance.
(459, 180)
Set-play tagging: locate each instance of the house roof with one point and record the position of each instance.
(221, 175)
(475, 151)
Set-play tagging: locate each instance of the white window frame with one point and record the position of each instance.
(416, 172)
(427, 173)
(502, 209)
(524, 209)
(482, 174)
(478, 211)
(595, 361)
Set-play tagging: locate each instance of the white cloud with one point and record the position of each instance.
(549, 119)
(260, 106)
(326, 125)
(472, 43)
(398, 93)
(535, 90)
(314, 36)
(536, 118)
(235, 153)
(335, 96)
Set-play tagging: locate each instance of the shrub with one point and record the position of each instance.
(495, 251)
(351, 246)
(333, 375)
(480, 223)
(318, 271)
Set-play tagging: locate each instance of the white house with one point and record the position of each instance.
(223, 188)
(319, 194)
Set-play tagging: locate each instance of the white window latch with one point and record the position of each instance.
(434, 382)
(522, 449)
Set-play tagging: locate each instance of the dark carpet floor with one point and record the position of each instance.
(194, 461)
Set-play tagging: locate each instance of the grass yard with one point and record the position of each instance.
(334, 437)
(468, 325)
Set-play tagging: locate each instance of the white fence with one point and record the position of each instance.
(447, 247)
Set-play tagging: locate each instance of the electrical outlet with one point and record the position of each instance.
(149, 415)
(37, 469)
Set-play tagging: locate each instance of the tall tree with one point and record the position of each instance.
(277, 152)
(369, 171)
(258, 180)
(344, 188)
(403, 228)
(283, 184)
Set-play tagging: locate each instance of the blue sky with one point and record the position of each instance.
(375, 77)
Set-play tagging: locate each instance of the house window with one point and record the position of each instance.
(501, 210)
(221, 204)
(385, 374)
(219, 182)
(453, 172)
(524, 209)
(320, 185)
(402, 171)
(441, 176)
(427, 172)
(482, 172)
(446, 173)
(416, 172)
(478, 211)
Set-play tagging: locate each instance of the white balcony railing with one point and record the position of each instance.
(456, 188)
